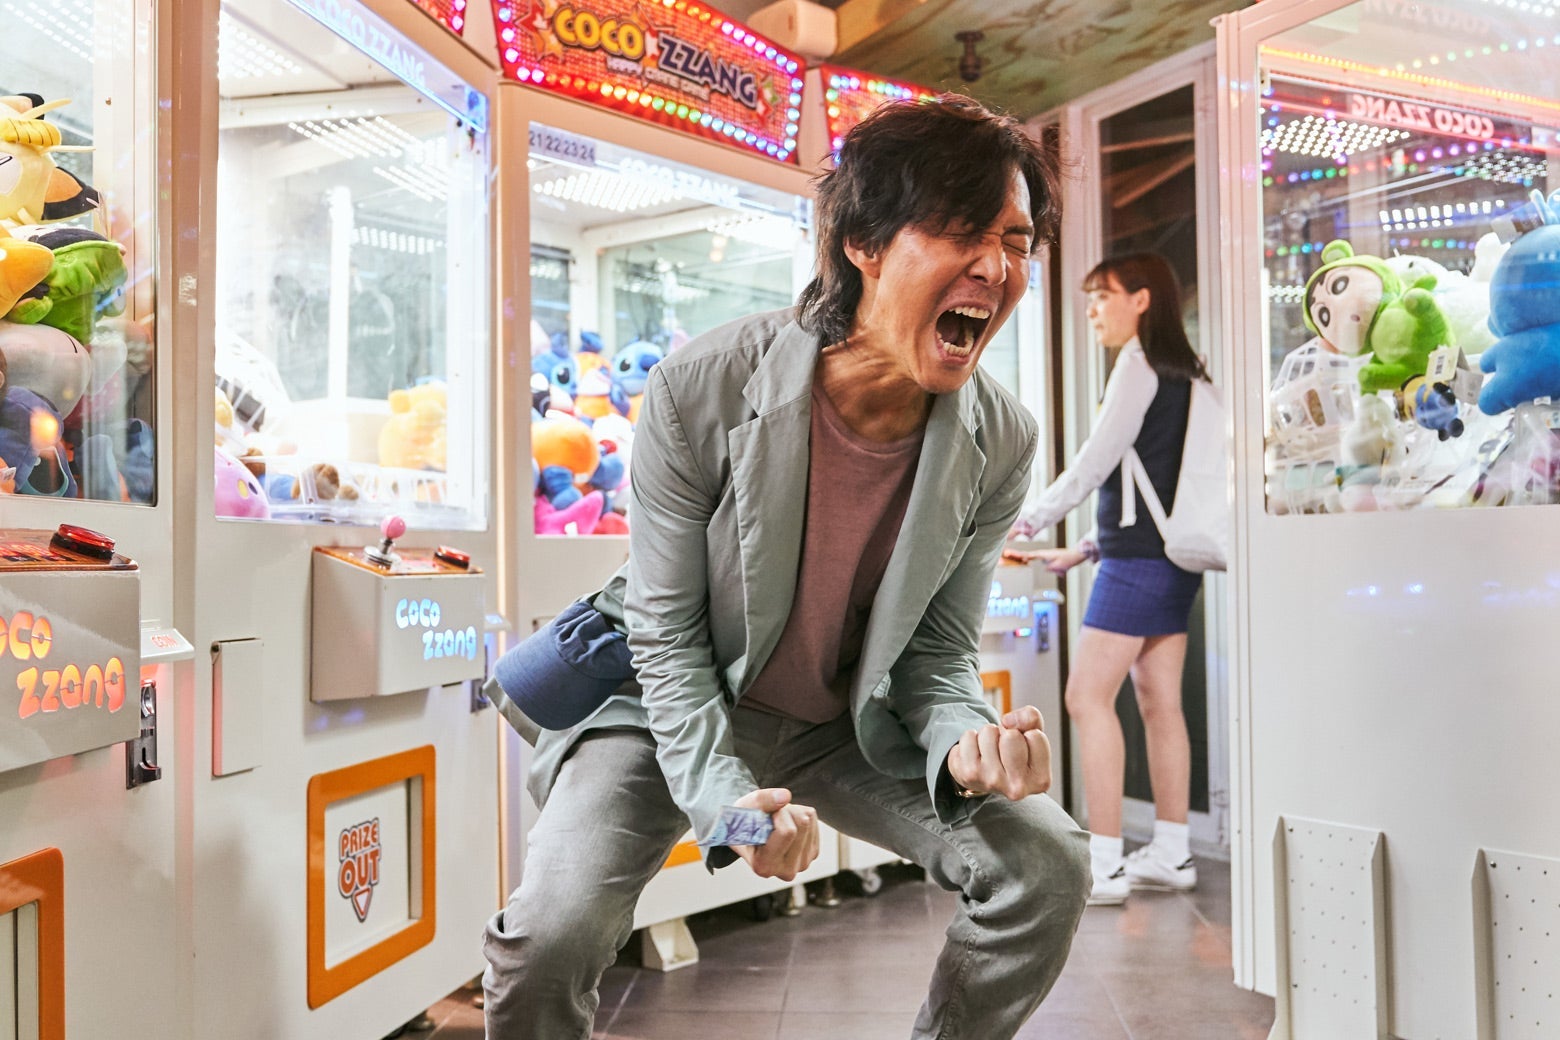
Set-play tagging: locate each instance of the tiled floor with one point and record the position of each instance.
(1156, 969)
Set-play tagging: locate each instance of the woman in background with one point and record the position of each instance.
(1137, 614)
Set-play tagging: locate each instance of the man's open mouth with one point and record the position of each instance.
(960, 328)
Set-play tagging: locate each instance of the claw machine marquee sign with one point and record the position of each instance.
(850, 96)
(671, 62)
(449, 13)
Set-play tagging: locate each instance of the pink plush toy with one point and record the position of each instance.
(579, 518)
(237, 491)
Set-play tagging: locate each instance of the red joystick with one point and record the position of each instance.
(392, 527)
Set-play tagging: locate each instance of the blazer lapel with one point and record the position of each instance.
(769, 457)
(942, 500)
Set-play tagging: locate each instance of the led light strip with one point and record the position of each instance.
(358, 137)
(759, 229)
(1413, 218)
(1318, 136)
(604, 189)
(1413, 77)
(65, 27)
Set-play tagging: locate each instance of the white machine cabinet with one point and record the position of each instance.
(1393, 564)
(88, 591)
(338, 360)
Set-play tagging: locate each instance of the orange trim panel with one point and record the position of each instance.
(326, 984)
(686, 852)
(1001, 683)
(40, 878)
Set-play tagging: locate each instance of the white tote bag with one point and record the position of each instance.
(1197, 531)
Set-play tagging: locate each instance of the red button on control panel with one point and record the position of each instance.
(84, 541)
(453, 557)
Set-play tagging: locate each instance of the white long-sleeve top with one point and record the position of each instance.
(1131, 388)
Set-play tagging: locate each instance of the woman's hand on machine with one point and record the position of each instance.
(793, 844)
(1057, 561)
(1013, 759)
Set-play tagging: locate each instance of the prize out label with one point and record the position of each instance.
(438, 642)
(44, 689)
(359, 853)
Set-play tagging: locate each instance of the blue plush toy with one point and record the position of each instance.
(561, 372)
(631, 366)
(1524, 363)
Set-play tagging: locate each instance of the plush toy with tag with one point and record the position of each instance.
(1357, 303)
(1524, 363)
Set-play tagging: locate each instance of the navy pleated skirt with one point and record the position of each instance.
(1141, 596)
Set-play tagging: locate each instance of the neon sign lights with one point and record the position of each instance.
(449, 13)
(849, 97)
(426, 614)
(26, 637)
(666, 61)
(1001, 605)
(1417, 116)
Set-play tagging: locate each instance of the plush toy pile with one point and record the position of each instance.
(583, 409)
(1386, 407)
(70, 364)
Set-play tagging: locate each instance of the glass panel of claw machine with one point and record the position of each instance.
(352, 328)
(76, 381)
(632, 255)
(1410, 249)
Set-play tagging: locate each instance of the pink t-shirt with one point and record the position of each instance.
(857, 491)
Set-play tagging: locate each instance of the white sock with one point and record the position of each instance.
(1170, 838)
(1105, 853)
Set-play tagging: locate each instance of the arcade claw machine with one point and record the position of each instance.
(342, 395)
(1391, 220)
(88, 570)
(667, 196)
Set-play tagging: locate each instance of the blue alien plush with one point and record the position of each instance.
(1524, 363)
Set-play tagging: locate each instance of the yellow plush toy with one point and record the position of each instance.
(23, 265)
(33, 190)
(414, 435)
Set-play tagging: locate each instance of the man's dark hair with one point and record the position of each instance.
(933, 164)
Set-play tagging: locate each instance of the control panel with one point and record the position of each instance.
(389, 619)
(70, 644)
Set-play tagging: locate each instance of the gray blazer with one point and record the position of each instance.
(719, 502)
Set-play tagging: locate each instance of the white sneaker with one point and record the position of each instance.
(1110, 889)
(1148, 868)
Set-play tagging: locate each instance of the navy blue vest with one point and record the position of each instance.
(1159, 445)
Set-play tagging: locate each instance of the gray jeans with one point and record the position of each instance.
(1022, 869)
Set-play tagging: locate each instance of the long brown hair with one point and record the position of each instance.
(1160, 330)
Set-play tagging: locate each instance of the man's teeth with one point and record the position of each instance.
(960, 349)
(964, 348)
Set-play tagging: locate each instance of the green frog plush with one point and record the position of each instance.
(1357, 304)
